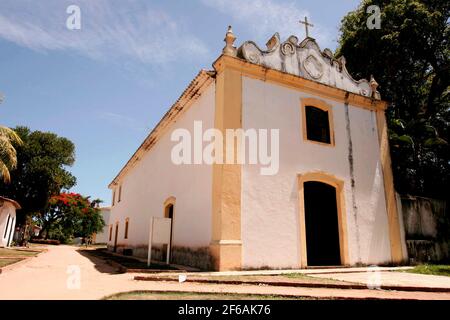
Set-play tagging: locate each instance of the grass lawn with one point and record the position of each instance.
(302, 276)
(295, 277)
(306, 278)
(16, 253)
(5, 262)
(151, 295)
(434, 269)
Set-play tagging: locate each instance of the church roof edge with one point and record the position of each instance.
(191, 93)
(13, 202)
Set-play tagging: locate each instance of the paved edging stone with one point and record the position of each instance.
(296, 284)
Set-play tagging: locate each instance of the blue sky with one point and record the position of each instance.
(106, 85)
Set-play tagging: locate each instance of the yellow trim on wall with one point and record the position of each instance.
(226, 247)
(298, 83)
(389, 190)
(313, 102)
(338, 184)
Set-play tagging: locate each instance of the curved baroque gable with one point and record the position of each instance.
(304, 59)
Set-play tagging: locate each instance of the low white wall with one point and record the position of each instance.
(270, 213)
(426, 228)
(103, 236)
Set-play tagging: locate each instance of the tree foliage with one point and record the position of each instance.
(410, 58)
(8, 154)
(41, 172)
(70, 215)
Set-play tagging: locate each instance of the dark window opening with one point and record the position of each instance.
(126, 229)
(10, 233)
(115, 237)
(7, 225)
(317, 125)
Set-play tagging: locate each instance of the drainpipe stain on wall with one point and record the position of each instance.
(352, 178)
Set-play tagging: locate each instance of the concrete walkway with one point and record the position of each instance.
(53, 275)
(401, 279)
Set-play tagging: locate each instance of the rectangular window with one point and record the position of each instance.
(126, 228)
(317, 125)
(110, 232)
(317, 118)
(114, 196)
(120, 194)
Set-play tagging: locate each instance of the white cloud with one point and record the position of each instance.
(122, 121)
(109, 30)
(265, 17)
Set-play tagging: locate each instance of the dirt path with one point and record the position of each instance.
(52, 275)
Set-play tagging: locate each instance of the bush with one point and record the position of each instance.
(43, 241)
(58, 233)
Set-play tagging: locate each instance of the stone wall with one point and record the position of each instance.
(198, 257)
(427, 229)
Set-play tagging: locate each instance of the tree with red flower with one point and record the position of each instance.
(71, 215)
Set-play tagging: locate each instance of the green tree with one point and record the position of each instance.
(91, 221)
(41, 172)
(409, 57)
(8, 154)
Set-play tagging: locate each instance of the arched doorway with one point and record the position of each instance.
(323, 230)
(169, 210)
(321, 222)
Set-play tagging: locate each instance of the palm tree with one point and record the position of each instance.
(8, 155)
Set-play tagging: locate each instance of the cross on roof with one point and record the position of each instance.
(307, 24)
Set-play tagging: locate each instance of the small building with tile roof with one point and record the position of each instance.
(8, 209)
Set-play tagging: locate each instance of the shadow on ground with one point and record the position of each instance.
(120, 263)
(100, 264)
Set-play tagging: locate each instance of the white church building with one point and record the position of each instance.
(326, 198)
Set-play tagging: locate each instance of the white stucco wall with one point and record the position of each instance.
(102, 237)
(155, 178)
(7, 209)
(270, 213)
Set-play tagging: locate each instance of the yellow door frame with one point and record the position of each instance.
(338, 184)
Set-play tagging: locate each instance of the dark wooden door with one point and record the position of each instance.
(322, 228)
